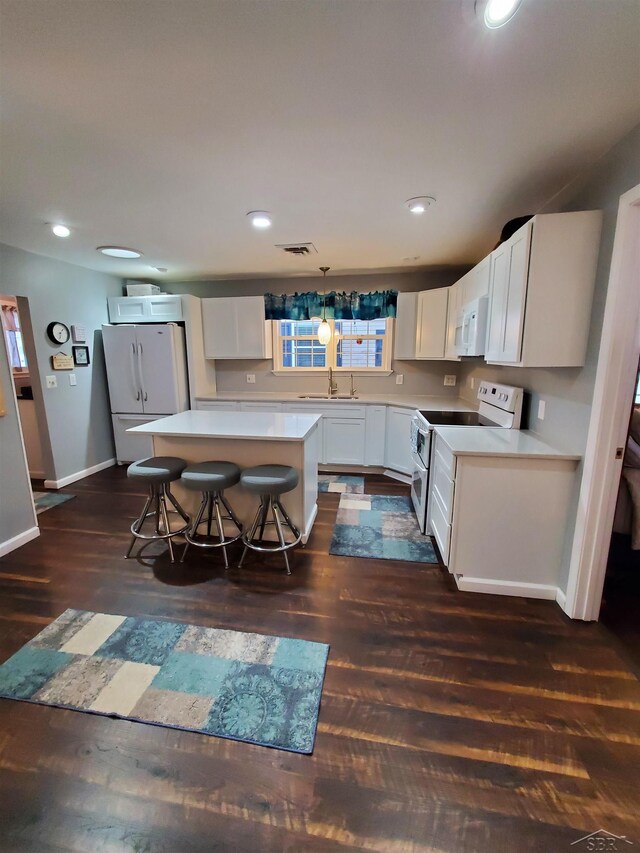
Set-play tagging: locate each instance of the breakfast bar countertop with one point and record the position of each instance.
(259, 426)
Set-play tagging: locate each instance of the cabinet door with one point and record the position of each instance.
(375, 426)
(344, 441)
(220, 328)
(454, 305)
(519, 246)
(432, 322)
(398, 440)
(126, 309)
(406, 324)
(163, 308)
(499, 282)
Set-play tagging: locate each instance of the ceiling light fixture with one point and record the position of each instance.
(324, 329)
(497, 13)
(419, 204)
(260, 218)
(60, 230)
(119, 252)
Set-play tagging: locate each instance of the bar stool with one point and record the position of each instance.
(211, 478)
(157, 472)
(270, 481)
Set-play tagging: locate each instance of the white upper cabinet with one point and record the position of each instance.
(234, 327)
(432, 323)
(453, 308)
(161, 308)
(475, 283)
(404, 334)
(541, 289)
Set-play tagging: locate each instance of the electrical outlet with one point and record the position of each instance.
(472, 383)
(399, 378)
(251, 378)
(72, 379)
(541, 409)
(449, 379)
(52, 381)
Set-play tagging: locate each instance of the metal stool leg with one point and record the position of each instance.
(216, 506)
(252, 533)
(283, 544)
(194, 526)
(138, 524)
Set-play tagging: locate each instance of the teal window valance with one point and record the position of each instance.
(337, 306)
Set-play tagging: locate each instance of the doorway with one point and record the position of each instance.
(16, 331)
(621, 595)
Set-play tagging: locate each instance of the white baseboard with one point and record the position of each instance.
(79, 475)
(396, 475)
(19, 540)
(496, 587)
(36, 475)
(561, 598)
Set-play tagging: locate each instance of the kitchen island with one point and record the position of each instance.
(248, 439)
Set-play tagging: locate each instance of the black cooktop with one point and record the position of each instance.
(454, 418)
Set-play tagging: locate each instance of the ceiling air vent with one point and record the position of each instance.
(298, 248)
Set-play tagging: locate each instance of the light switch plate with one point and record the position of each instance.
(52, 381)
(541, 409)
(399, 378)
(449, 379)
(72, 379)
(251, 378)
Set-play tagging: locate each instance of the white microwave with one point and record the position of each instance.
(471, 327)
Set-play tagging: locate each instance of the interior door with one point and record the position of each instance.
(122, 368)
(157, 363)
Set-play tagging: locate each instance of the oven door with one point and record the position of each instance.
(419, 491)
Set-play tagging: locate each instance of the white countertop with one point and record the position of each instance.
(492, 441)
(403, 401)
(259, 426)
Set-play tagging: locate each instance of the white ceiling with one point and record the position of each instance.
(158, 124)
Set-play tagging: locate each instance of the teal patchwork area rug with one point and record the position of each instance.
(382, 527)
(249, 687)
(46, 500)
(343, 484)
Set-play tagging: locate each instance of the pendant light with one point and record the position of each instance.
(324, 329)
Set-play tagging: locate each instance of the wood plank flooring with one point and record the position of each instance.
(449, 721)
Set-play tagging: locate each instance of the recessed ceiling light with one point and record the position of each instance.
(60, 230)
(420, 203)
(260, 218)
(499, 12)
(119, 252)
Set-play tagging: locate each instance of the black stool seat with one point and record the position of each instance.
(269, 479)
(157, 469)
(210, 476)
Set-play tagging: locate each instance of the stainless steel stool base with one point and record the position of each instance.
(270, 502)
(210, 505)
(159, 494)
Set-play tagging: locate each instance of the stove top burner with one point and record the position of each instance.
(455, 418)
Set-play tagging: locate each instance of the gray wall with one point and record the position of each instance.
(16, 508)
(568, 391)
(419, 377)
(76, 419)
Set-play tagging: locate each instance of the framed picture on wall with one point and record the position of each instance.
(80, 356)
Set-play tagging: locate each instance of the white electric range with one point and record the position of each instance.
(500, 407)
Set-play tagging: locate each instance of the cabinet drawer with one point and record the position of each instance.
(341, 410)
(440, 527)
(260, 407)
(444, 458)
(442, 486)
(216, 405)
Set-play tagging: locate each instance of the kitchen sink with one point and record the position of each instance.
(327, 397)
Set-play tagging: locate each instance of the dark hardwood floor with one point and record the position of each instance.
(449, 721)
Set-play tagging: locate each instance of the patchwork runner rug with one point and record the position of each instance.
(345, 484)
(45, 500)
(249, 687)
(380, 526)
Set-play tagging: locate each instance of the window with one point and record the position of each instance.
(17, 358)
(356, 346)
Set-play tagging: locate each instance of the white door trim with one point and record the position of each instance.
(615, 377)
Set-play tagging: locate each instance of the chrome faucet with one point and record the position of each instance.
(333, 387)
(352, 390)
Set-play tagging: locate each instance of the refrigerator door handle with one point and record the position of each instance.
(145, 396)
(133, 370)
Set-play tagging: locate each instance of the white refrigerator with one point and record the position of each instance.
(147, 375)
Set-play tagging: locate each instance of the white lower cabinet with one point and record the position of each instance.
(261, 407)
(343, 440)
(216, 406)
(398, 439)
(375, 427)
(500, 521)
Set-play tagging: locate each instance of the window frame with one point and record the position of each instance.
(332, 352)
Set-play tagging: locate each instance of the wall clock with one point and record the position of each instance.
(58, 333)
